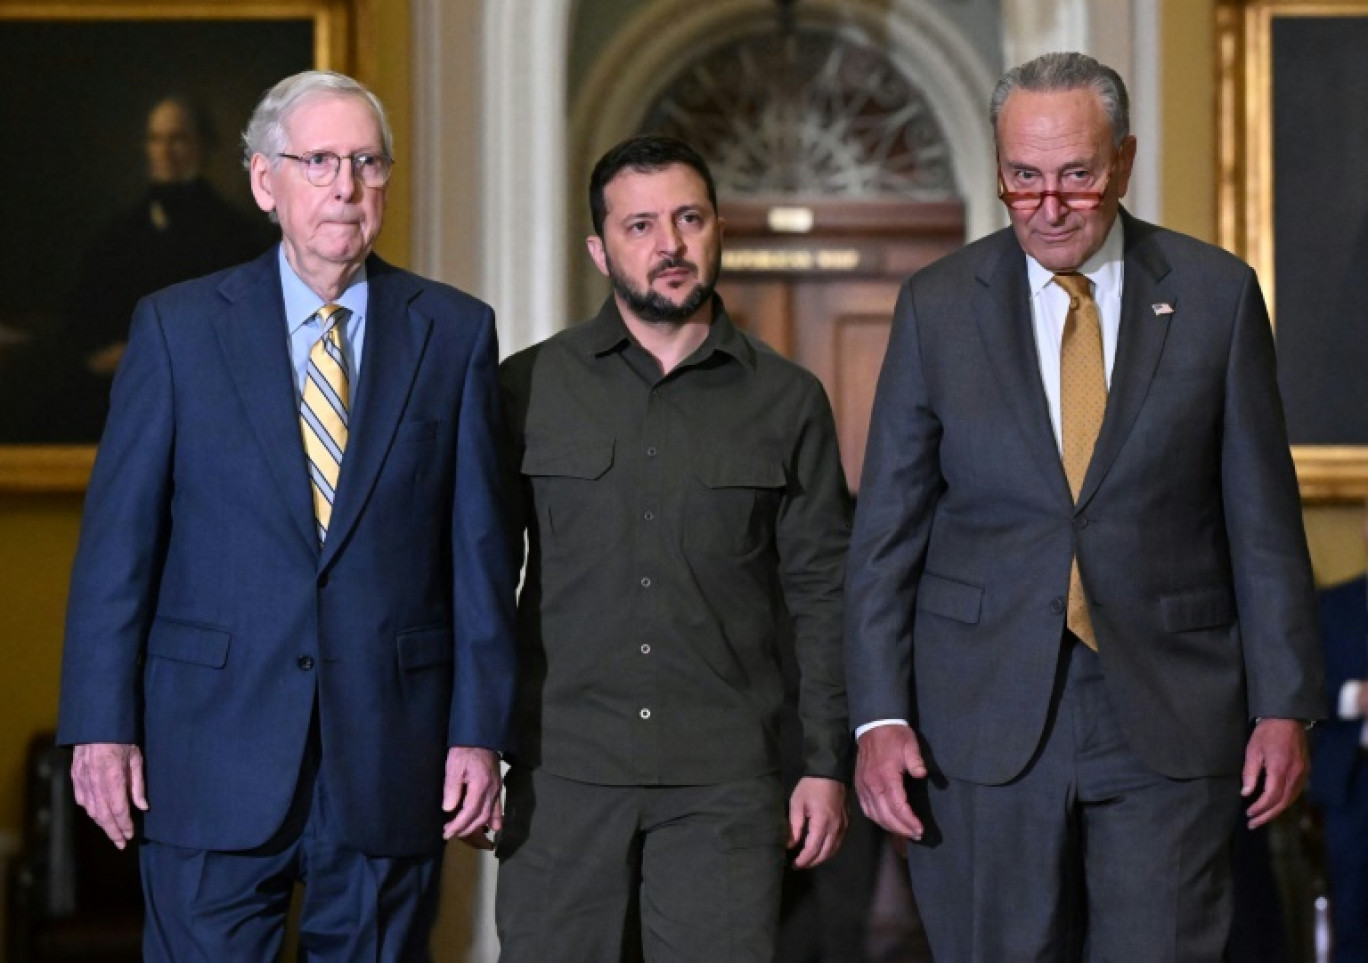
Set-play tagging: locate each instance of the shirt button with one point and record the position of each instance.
(651, 452)
(646, 583)
(305, 662)
(645, 648)
(649, 516)
(645, 713)
(1057, 606)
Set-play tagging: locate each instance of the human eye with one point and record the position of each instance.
(637, 228)
(1025, 178)
(691, 218)
(366, 161)
(320, 160)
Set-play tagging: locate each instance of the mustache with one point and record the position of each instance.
(669, 264)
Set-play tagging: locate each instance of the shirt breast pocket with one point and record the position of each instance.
(733, 502)
(570, 496)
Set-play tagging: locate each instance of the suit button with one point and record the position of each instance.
(323, 581)
(1081, 521)
(305, 662)
(645, 713)
(1057, 606)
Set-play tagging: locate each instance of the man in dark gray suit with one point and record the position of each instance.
(1080, 609)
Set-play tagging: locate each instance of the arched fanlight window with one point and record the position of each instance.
(807, 112)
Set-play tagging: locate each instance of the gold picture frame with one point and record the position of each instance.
(1259, 45)
(221, 53)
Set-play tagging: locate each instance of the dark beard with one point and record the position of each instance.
(650, 305)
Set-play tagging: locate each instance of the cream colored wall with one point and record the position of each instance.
(1188, 117)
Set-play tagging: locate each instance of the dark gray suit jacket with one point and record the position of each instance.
(1188, 529)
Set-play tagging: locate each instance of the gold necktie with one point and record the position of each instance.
(1082, 403)
(323, 415)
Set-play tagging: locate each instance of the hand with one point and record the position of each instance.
(105, 775)
(471, 794)
(1278, 749)
(887, 754)
(817, 819)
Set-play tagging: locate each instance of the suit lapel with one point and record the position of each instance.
(1140, 342)
(253, 333)
(1002, 310)
(395, 339)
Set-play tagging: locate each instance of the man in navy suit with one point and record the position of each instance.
(1080, 614)
(1339, 780)
(296, 672)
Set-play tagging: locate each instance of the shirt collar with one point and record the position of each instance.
(301, 303)
(1103, 268)
(606, 333)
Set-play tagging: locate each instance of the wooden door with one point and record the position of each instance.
(824, 295)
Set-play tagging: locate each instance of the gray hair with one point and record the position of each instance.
(265, 133)
(1067, 71)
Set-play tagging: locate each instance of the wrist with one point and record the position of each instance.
(1307, 724)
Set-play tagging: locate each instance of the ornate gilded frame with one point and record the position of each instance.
(66, 468)
(1245, 200)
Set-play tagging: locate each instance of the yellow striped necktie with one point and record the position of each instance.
(1082, 403)
(323, 414)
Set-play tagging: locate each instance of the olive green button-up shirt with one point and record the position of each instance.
(674, 524)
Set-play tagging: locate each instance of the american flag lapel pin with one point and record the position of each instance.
(1161, 309)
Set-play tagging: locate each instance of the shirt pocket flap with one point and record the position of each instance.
(189, 642)
(421, 648)
(588, 460)
(718, 470)
(1203, 609)
(954, 600)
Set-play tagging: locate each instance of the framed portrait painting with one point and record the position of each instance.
(1293, 201)
(125, 175)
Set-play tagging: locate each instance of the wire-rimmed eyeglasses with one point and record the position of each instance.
(321, 166)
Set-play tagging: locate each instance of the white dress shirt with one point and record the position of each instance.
(1349, 707)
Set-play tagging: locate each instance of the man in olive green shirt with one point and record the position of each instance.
(684, 503)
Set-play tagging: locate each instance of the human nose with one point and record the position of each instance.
(669, 240)
(346, 183)
(1052, 208)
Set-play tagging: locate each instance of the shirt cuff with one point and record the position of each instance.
(876, 723)
(1349, 699)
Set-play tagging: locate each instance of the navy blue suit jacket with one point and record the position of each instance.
(1335, 742)
(204, 621)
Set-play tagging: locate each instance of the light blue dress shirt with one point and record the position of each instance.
(301, 304)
